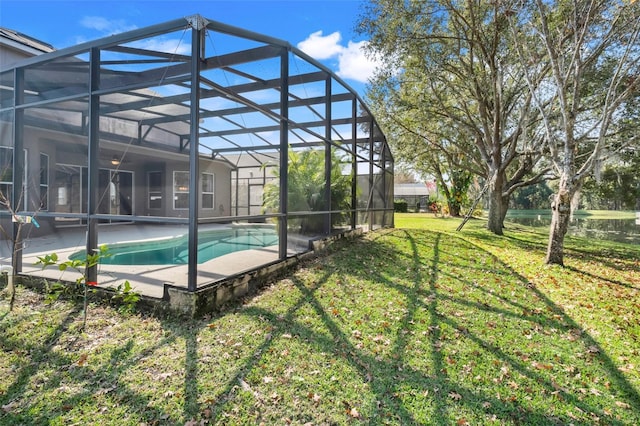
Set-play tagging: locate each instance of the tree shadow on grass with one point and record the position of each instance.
(579, 248)
(34, 356)
(608, 280)
(424, 295)
(576, 250)
(79, 378)
(588, 342)
(554, 320)
(468, 341)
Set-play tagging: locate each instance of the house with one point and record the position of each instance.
(117, 142)
(17, 46)
(416, 193)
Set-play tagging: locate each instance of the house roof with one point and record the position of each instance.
(25, 40)
(410, 189)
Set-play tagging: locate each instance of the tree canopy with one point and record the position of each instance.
(450, 85)
(588, 99)
(514, 92)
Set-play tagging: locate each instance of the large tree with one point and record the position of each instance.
(588, 102)
(450, 75)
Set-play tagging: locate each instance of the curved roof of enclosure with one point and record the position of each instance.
(144, 88)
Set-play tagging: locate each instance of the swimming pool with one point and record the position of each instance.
(174, 251)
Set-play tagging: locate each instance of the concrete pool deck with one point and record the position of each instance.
(148, 280)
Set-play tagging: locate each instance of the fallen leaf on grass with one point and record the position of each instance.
(104, 391)
(455, 396)
(8, 408)
(82, 360)
(381, 339)
(622, 404)
(351, 411)
(354, 413)
(162, 376)
(314, 397)
(244, 385)
(593, 349)
(541, 366)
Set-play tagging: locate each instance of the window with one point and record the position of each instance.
(207, 190)
(6, 177)
(154, 181)
(6, 173)
(180, 190)
(44, 181)
(70, 189)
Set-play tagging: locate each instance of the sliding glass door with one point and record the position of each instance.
(116, 192)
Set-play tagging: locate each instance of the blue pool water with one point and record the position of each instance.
(174, 251)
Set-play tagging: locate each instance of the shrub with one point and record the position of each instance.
(400, 206)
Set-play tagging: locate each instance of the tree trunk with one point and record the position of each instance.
(454, 209)
(560, 218)
(497, 209)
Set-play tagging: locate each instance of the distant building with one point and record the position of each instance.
(412, 193)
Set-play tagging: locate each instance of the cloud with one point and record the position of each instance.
(322, 47)
(352, 62)
(106, 26)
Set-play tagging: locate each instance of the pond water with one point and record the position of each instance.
(622, 230)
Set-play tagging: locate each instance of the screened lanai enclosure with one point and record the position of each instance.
(192, 150)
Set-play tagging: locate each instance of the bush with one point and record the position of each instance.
(400, 206)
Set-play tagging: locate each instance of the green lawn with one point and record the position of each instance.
(415, 325)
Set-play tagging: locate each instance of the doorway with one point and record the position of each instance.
(116, 192)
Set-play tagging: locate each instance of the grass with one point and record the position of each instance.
(415, 325)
